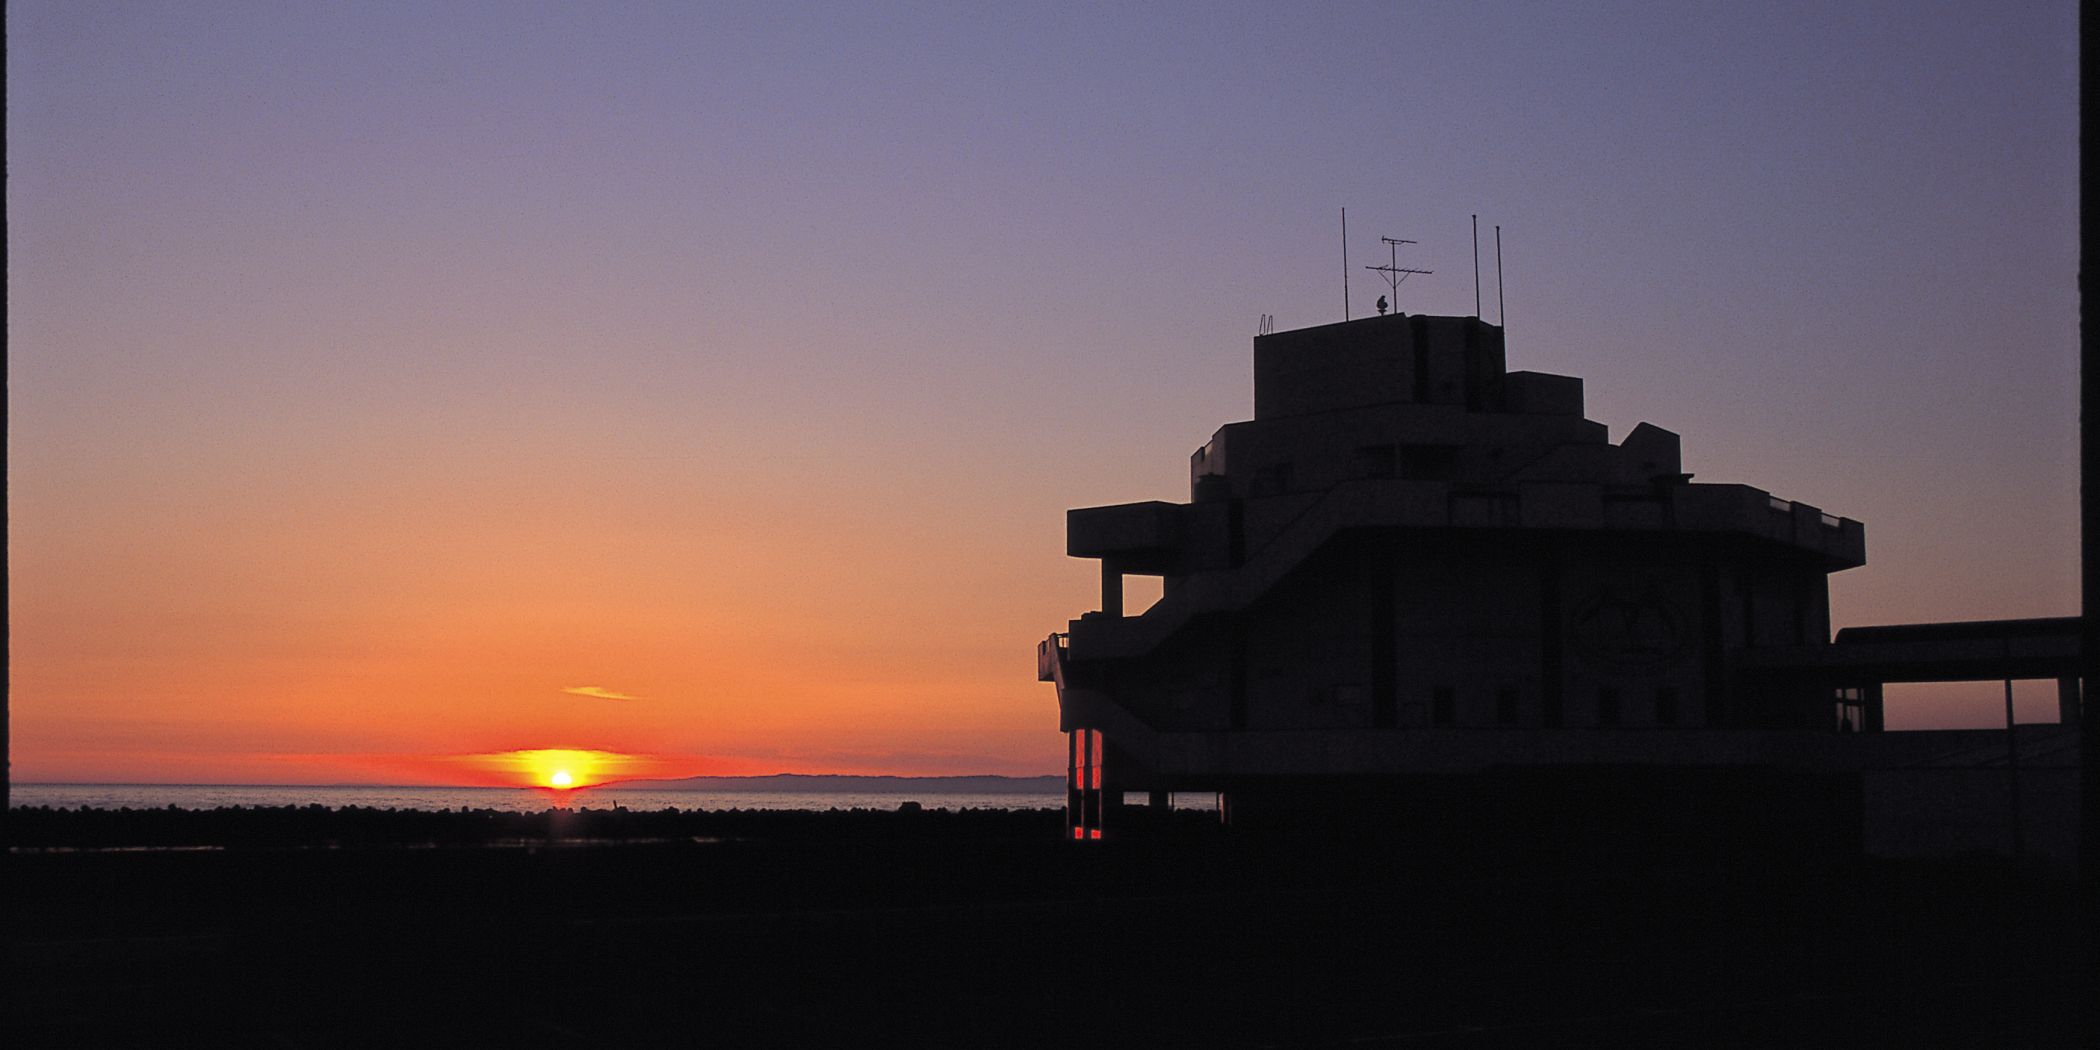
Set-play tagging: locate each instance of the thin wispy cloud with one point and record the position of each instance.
(599, 692)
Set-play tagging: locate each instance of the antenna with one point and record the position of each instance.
(1501, 314)
(1266, 326)
(1345, 263)
(1476, 267)
(1393, 271)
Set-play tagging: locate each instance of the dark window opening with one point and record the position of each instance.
(1506, 705)
(1851, 711)
(1749, 602)
(1494, 509)
(1666, 706)
(1385, 701)
(1442, 708)
(1237, 714)
(1429, 462)
(1376, 461)
(1421, 360)
(1608, 707)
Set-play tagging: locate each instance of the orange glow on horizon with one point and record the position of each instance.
(563, 769)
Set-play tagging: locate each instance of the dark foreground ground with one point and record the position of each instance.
(937, 929)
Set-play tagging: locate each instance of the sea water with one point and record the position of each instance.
(526, 800)
(512, 800)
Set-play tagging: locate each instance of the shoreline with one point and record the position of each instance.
(48, 828)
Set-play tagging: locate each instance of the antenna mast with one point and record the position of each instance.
(1476, 267)
(1501, 314)
(1393, 271)
(1345, 262)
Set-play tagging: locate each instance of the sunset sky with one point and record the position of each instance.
(395, 386)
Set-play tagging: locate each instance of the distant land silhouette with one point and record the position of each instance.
(963, 785)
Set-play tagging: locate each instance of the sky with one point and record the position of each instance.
(397, 387)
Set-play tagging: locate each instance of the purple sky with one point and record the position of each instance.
(905, 282)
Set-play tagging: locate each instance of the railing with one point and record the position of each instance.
(1047, 653)
(1343, 506)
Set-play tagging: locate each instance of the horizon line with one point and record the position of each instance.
(540, 787)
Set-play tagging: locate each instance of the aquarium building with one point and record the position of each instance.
(1414, 567)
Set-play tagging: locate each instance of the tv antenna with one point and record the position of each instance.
(1345, 263)
(1393, 271)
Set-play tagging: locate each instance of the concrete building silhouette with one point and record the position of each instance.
(1414, 568)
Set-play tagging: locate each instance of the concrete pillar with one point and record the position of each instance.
(1160, 801)
(1870, 702)
(2067, 708)
(1075, 796)
(1111, 587)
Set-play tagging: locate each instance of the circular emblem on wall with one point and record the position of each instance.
(1630, 632)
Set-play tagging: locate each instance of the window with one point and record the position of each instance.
(1746, 591)
(1428, 462)
(1375, 461)
(1493, 509)
(1273, 480)
(1442, 707)
(1851, 710)
(1506, 705)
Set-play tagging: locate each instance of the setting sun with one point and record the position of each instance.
(561, 769)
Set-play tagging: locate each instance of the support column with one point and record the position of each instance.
(2067, 705)
(1870, 699)
(1111, 587)
(2012, 772)
(1083, 800)
(1075, 785)
(1096, 804)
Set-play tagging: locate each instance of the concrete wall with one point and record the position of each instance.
(1945, 812)
(1486, 630)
